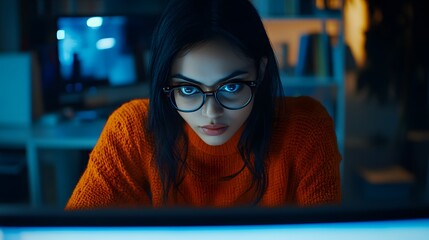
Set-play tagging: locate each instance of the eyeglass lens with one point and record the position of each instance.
(231, 96)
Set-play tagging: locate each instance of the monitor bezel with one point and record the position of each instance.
(150, 217)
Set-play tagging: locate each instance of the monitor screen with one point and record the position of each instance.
(246, 223)
(96, 53)
(416, 229)
(94, 49)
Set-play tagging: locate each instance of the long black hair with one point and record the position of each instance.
(184, 24)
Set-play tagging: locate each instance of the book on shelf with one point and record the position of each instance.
(314, 56)
(323, 59)
(303, 49)
(337, 67)
(285, 66)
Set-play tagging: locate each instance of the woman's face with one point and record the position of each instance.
(206, 66)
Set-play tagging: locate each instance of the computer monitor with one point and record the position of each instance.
(102, 58)
(267, 224)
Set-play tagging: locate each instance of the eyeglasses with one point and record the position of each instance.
(230, 95)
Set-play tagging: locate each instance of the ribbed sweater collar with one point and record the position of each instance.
(228, 148)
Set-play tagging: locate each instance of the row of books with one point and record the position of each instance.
(315, 56)
(318, 62)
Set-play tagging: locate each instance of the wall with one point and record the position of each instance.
(9, 26)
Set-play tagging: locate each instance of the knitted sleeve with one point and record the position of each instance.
(114, 176)
(318, 161)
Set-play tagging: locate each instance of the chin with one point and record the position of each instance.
(214, 141)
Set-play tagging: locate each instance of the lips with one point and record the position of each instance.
(214, 129)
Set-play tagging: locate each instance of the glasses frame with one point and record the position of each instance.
(169, 89)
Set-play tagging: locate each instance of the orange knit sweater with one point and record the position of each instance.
(302, 164)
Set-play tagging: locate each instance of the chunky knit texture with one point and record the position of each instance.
(302, 165)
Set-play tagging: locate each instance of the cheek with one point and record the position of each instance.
(241, 116)
(238, 117)
(188, 117)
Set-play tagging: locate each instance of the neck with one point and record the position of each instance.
(228, 148)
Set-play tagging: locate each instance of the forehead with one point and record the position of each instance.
(210, 61)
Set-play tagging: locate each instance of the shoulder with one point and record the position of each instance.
(133, 113)
(127, 123)
(135, 108)
(300, 107)
(300, 121)
(124, 136)
(305, 136)
(296, 115)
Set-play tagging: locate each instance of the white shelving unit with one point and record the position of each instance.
(285, 29)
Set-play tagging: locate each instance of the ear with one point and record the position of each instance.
(262, 67)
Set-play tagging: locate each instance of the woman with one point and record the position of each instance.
(216, 131)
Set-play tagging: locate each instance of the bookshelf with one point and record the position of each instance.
(315, 66)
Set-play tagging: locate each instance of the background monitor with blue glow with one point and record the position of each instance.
(99, 52)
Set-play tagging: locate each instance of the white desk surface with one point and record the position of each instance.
(79, 135)
(14, 136)
(64, 135)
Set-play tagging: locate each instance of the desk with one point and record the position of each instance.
(65, 135)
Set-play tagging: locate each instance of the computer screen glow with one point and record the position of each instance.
(94, 49)
(392, 230)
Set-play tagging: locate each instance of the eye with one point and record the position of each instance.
(188, 90)
(231, 87)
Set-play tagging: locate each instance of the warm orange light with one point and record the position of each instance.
(355, 25)
(328, 4)
(288, 32)
(320, 4)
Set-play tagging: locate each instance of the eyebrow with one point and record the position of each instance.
(232, 75)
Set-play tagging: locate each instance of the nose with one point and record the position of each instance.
(211, 108)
